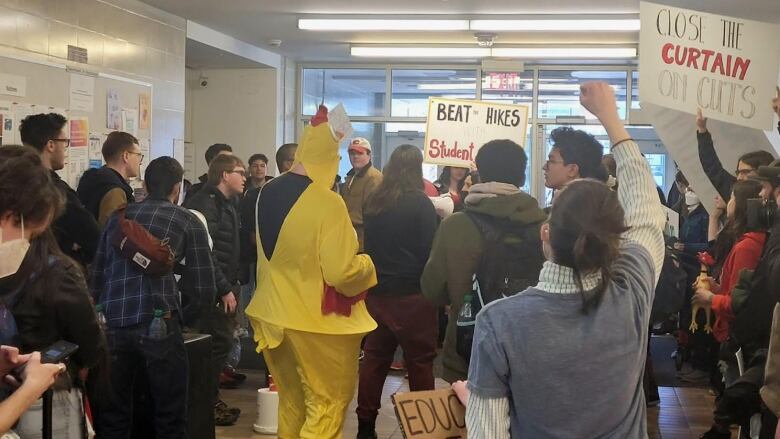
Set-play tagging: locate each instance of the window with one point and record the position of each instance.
(509, 87)
(559, 91)
(635, 90)
(362, 91)
(411, 89)
(657, 164)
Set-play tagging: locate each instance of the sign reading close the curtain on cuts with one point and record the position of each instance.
(456, 129)
(726, 66)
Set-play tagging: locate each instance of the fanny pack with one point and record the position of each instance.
(150, 254)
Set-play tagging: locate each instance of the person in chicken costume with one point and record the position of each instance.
(308, 312)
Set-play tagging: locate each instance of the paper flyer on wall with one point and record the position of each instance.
(144, 111)
(6, 123)
(189, 161)
(78, 153)
(95, 151)
(113, 110)
(144, 145)
(130, 121)
(82, 92)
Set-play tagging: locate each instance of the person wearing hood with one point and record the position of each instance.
(104, 190)
(360, 182)
(458, 246)
(308, 312)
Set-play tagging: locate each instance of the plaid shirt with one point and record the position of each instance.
(128, 295)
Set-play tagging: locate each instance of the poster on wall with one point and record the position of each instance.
(130, 121)
(113, 110)
(95, 151)
(6, 123)
(78, 153)
(82, 92)
(724, 65)
(456, 129)
(144, 111)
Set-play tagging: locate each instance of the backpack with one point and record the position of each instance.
(510, 263)
(670, 290)
(150, 254)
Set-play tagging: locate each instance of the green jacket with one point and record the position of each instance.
(457, 249)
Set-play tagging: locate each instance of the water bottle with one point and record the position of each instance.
(157, 329)
(101, 317)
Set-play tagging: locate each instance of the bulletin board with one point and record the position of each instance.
(95, 105)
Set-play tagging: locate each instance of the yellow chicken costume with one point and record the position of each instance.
(307, 262)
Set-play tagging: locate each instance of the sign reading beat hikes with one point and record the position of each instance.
(726, 66)
(432, 414)
(458, 128)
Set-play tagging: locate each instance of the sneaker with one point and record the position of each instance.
(230, 371)
(397, 365)
(716, 433)
(220, 405)
(224, 417)
(366, 429)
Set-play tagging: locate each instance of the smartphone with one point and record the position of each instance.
(58, 352)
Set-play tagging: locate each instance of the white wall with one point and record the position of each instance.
(126, 38)
(238, 107)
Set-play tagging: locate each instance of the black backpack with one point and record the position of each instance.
(511, 260)
(670, 290)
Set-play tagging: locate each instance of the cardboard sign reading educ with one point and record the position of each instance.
(433, 414)
(458, 128)
(726, 66)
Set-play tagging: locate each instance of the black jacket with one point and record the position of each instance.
(246, 212)
(753, 324)
(76, 230)
(719, 177)
(95, 184)
(399, 242)
(223, 223)
(195, 188)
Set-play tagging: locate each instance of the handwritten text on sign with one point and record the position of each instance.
(726, 66)
(434, 414)
(457, 129)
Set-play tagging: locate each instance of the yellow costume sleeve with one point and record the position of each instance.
(342, 268)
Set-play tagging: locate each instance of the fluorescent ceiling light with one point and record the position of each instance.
(447, 86)
(564, 52)
(367, 24)
(420, 52)
(567, 25)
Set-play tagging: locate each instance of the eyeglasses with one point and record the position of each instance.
(137, 153)
(240, 172)
(67, 141)
(745, 172)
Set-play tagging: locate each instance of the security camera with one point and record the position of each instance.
(203, 81)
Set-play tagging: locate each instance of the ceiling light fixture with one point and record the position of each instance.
(557, 25)
(499, 52)
(564, 52)
(419, 52)
(367, 24)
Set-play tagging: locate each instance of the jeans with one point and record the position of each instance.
(219, 326)
(165, 364)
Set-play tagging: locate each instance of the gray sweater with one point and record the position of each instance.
(558, 373)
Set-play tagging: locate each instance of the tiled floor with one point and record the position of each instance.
(684, 413)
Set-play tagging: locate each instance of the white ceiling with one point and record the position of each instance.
(259, 21)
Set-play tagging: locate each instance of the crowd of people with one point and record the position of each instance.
(536, 307)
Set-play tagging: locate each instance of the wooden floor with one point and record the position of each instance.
(684, 413)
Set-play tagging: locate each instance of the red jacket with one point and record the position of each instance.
(744, 255)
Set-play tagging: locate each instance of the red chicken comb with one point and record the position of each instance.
(706, 259)
(320, 117)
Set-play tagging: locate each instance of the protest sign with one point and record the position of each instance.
(433, 414)
(726, 66)
(456, 129)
